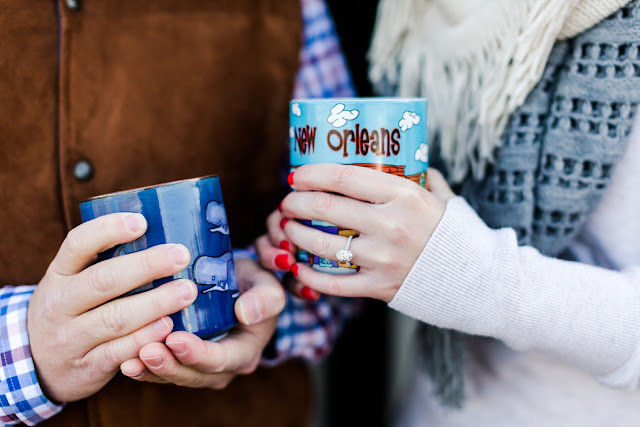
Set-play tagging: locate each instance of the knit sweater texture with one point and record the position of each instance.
(556, 158)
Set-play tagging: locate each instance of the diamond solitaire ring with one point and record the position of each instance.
(345, 255)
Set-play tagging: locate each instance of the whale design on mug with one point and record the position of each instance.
(217, 216)
(189, 212)
(215, 272)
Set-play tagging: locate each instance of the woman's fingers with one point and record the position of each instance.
(334, 209)
(325, 245)
(297, 288)
(346, 285)
(438, 185)
(271, 257)
(353, 181)
(276, 235)
(276, 259)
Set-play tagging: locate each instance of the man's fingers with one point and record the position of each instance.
(263, 299)
(237, 353)
(125, 315)
(161, 362)
(114, 277)
(109, 355)
(135, 369)
(85, 241)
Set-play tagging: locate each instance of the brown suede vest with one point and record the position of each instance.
(146, 91)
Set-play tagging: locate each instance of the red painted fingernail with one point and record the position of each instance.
(282, 261)
(294, 269)
(290, 178)
(280, 206)
(283, 221)
(308, 293)
(285, 245)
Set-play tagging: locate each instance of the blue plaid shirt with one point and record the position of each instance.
(305, 329)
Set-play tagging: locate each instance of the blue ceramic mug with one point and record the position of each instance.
(190, 212)
(386, 134)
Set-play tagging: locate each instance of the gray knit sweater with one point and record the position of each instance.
(556, 159)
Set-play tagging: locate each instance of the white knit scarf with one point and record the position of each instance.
(474, 60)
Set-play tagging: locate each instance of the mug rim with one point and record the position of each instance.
(361, 98)
(149, 187)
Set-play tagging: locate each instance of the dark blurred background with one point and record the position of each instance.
(354, 20)
(356, 372)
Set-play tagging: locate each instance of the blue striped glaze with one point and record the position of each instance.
(189, 212)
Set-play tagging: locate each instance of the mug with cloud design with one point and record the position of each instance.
(190, 212)
(386, 134)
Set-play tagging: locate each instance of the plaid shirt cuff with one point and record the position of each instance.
(21, 398)
(308, 329)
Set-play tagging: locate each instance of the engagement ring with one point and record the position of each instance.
(345, 255)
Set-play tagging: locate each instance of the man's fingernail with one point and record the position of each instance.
(285, 245)
(308, 293)
(135, 221)
(283, 262)
(161, 324)
(154, 362)
(178, 348)
(290, 178)
(137, 376)
(179, 254)
(294, 269)
(280, 206)
(185, 290)
(283, 222)
(250, 310)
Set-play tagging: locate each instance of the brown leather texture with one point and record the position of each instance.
(147, 91)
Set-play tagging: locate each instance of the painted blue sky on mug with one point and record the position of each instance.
(391, 132)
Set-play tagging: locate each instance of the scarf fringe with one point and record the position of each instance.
(445, 363)
(471, 91)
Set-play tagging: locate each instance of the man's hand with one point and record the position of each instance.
(79, 335)
(188, 361)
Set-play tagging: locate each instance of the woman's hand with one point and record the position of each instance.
(394, 216)
(277, 253)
